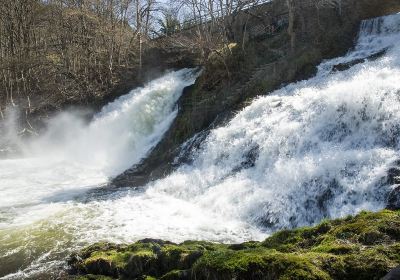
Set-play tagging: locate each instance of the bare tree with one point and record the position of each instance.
(219, 24)
(67, 47)
(336, 4)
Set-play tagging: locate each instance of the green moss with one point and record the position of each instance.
(257, 263)
(176, 275)
(362, 247)
(149, 278)
(293, 240)
(337, 249)
(93, 277)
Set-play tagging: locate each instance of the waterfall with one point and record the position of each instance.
(73, 156)
(375, 36)
(311, 150)
(315, 149)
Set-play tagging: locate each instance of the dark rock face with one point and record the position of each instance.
(394, 200)
(345, 66)
(332, 28)
(393, 175)
(394, 274)
(393, 178)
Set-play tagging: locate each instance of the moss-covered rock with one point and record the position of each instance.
(366, 246)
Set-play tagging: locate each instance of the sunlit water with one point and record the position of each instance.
(50, 176)
(315, 149)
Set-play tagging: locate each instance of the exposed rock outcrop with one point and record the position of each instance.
(366, 246)
(394, 199)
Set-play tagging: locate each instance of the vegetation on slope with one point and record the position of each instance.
(53, 52)
(56, 53)
(366, 246)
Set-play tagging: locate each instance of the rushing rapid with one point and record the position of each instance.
(314, 149)
(52, 172)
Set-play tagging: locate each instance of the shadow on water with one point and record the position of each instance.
(108, 192)
(92, 193)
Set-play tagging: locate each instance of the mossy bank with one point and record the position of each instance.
(366, 246)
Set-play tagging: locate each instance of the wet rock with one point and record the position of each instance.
(394, 199)
(251, 157)
(393, 175)
(348, 65)
(394, 274)
(102, 267)
(155, 241)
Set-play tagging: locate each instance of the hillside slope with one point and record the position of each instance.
(263, 65)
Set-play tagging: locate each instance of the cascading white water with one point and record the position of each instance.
(314, 149)
(73, 156)
(375, 35)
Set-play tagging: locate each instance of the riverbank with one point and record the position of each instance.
(366, 246)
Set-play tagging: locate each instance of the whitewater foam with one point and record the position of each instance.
(73, 156)
(314, 149)
(375, 36)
